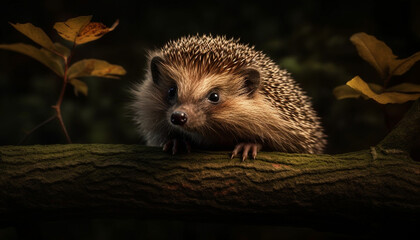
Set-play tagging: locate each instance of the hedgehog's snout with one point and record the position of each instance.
(187, 117)
(179, 118)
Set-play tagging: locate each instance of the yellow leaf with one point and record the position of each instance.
(71, 28)
(375, 87)
(93, 31)
(387, 97)
(400, 66)
(405, 87)
(95, 67)
(55, 59)
(79, 86)
(45, 57)
(374, 51)
(36, 34)
(344, 91)
(61, 49)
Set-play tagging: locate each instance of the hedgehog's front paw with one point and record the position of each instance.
(175, 145)
(246, 148)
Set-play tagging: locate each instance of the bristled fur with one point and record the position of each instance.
(278, 114)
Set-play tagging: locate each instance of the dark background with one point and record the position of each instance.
(309, 38)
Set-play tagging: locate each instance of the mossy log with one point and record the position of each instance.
(380, 185)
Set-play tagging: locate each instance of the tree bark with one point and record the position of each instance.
(378, 186)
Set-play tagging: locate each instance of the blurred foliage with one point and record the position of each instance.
(380, 57)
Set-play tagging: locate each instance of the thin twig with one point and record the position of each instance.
(36, 128)
(387, 80)
(57, 106)
(60, 119)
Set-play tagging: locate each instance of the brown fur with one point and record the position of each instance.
(278, 115)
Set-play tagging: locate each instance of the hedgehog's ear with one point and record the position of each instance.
(155, 69)
(251, 80)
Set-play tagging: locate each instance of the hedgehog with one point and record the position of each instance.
(211, 92)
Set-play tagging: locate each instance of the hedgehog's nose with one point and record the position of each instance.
(179, 118)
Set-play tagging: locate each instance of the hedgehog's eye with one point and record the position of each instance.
(172, 93)
(214, 97)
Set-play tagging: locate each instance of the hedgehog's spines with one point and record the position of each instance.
(219, 55)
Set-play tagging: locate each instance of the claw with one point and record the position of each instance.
(246, 148)
(245, 152)
(167, 146)
(254, 151)
(236, 150)
(173, 145)
(188, 146)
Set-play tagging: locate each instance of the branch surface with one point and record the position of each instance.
(100, 180)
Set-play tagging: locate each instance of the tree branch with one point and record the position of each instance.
(128, 180)
(405, 135)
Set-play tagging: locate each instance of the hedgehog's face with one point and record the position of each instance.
(195, 102)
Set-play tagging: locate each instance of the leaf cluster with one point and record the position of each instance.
(387, 65)
(56, 56)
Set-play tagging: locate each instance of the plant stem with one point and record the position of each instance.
(384, 111)
(60, 119)
(57, 106)
(386, 81)
(36, 128)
